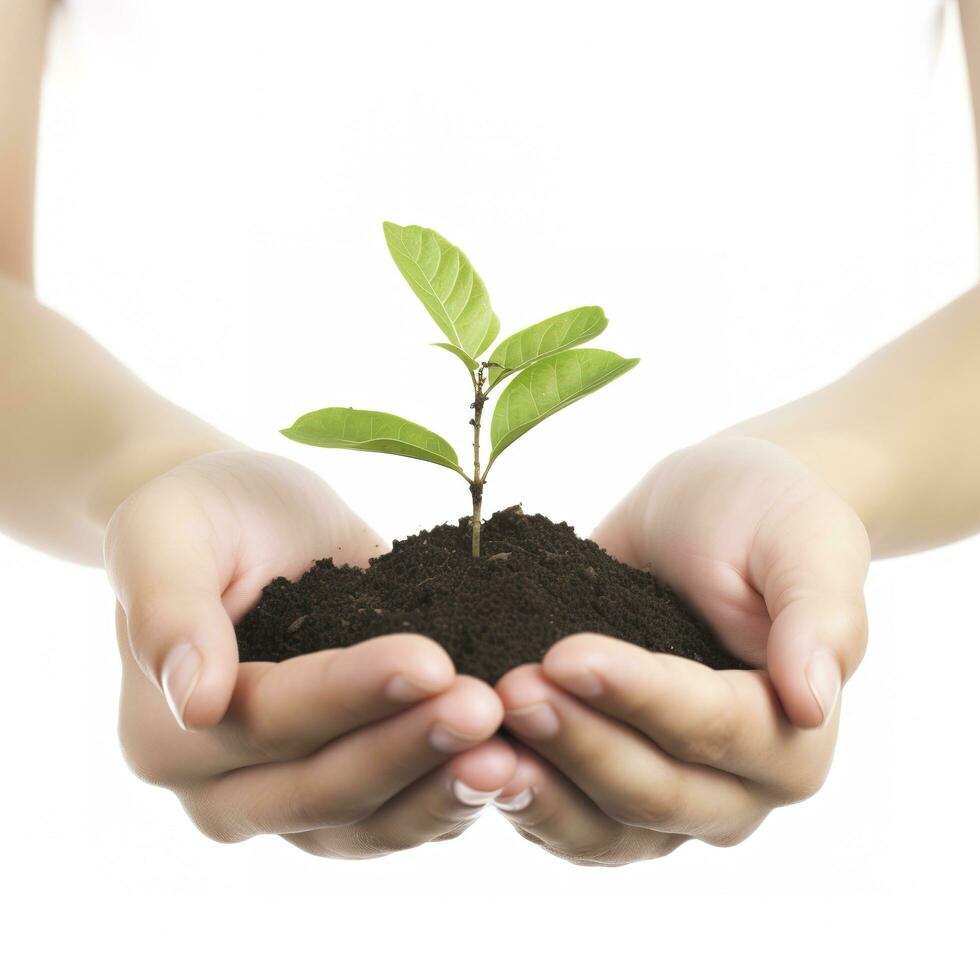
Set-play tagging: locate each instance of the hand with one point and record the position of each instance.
(634, 752)
(346, 753)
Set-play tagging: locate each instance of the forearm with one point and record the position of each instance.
(23, 27)
(899, 436)
(79, 430)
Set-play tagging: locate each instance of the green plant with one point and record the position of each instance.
(547, 373)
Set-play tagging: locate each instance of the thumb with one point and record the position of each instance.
(813, 586)
(165, 567)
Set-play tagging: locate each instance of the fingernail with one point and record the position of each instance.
(444, 739)
(583, 684)
(472, 797)
(519, 802)
(823, 676)
(405, 690)
(178, 677)
(534, 721)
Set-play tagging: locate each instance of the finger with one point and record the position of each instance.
(169, 585)
(348, 780)
(548, 809)
(283, 711)
(621, 770)
(288, 710)
(813, 586)
(439, 806)
(727, 719)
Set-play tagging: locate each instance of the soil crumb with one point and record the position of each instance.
(535, 582)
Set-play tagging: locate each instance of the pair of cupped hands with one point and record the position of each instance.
(607, 753)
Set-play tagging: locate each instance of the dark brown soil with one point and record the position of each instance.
(535, 583)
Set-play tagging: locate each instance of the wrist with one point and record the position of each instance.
(855, 471)
(134, 462)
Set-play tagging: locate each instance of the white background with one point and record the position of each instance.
(759, 194)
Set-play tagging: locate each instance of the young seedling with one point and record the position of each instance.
(547, 374)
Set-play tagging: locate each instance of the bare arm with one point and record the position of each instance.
(899, 436)
(775, 562)
(406, 750)
(23, 28)
(79, 431)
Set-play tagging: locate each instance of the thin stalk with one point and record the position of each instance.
(476, 484)
(477, 493)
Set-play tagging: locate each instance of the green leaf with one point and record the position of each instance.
(548, 386)
(371, 432)
(550, 336)
(443, 278)
(461, 354)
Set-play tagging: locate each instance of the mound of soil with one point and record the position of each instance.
(535, 582)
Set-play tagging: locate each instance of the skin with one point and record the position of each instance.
(767, 530)
(345, 753)
(624, 754)
(348, 753)
(614, 754)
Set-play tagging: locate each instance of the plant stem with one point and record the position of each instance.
(476, 484)
(477, 492)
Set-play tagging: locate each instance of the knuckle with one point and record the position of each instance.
(264, 735)
(804, 784)
(212, 820)
(652, 807)
(218, 831)
(710, 742)
(735, 835)
(144, 759)
(146, 769)
(799, 782)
